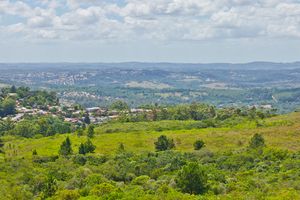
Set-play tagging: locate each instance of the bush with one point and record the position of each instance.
(69, 195)
(163, 143)
(103, 189)
(34, 152)
(199, 144)
(44, 159)
(257, 141)
(141, 180)
(92, 160)
(50, 187)
(79, 159)
(192, 179)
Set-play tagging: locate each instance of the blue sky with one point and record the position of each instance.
(152, 31)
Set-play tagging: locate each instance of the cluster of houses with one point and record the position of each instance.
(96, 115)
(70, 113)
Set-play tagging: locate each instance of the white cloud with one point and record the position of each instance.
(15, 8)
(167, 20)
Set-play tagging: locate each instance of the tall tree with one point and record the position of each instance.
(87, 119)
(81, 149)
(86, 147)
(13, 89)
(90, 131)
(89, 147)
(66, 147)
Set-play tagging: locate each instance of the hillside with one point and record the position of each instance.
(134, 170)
(281, 132)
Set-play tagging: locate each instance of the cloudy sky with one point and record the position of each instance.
(149, 30)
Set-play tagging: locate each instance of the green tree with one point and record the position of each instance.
(6, 125)
(49, 125)
(89, 146)
(79, 132)
(13, 89)
(86, 147)
(50, 187)
(26, 128)
(66, 147)
(7, 107)
(34, 152)
(81, 149)
(23, 91)
(198, 144)
(257, 141)
(163, 143)
(90, 131)
(1, 146)
(86, 119)
(119, 105)
(192, 179)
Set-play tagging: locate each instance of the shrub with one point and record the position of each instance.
(163, 143)
(69, 195)
(199, 144)
(80, 159)
(103, 189)
(92, 160)
(121, 148)
(141, 180)
(192, 179)
(257, 141)
(50, 186)
(44, 159)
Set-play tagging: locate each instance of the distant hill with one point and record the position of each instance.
(138, 83)
(161, 66)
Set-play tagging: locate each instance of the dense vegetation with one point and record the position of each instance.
(35, 127)
(196, 111)
(233, 163)
(7, 107)
(26, 98)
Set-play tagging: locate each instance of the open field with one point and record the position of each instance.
(281, 132)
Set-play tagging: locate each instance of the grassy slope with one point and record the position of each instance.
(282, 132)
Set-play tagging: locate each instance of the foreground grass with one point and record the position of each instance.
(282, 132)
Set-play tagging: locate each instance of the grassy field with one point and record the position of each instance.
(282, 132)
